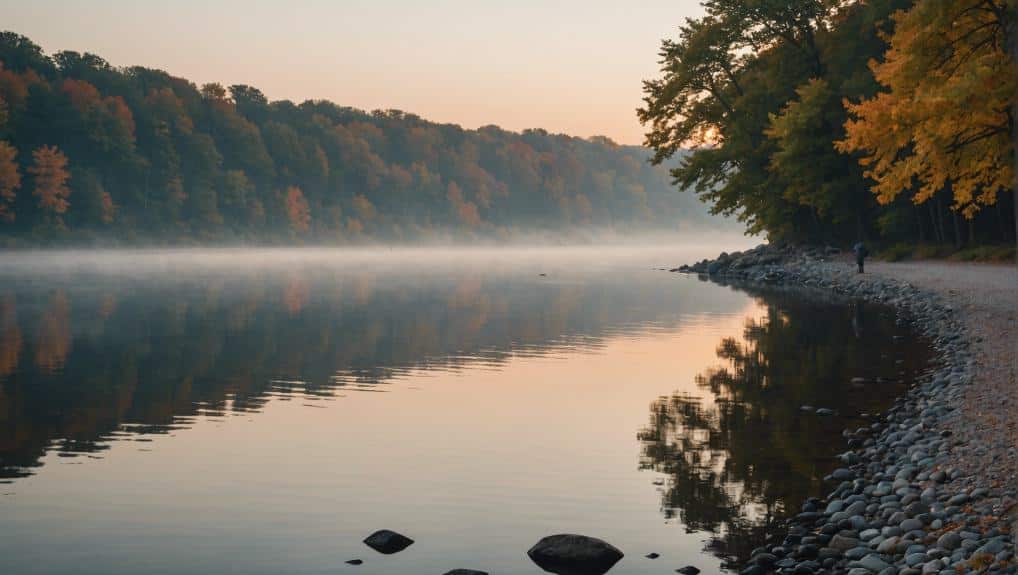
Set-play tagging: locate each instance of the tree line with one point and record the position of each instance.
(91, 151)
(823, 120)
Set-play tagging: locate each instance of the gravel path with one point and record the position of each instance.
(987, 297)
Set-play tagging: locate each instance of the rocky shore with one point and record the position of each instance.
(901, 505)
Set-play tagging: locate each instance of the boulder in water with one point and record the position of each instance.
(388, 542)
(568, 554)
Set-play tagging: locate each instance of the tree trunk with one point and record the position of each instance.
(1011, 39)
(1000, 221)
(922, 228)
(957, 230)
(938, 234)
(940, 221)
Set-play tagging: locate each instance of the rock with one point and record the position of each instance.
(931, 567)
(991, 548)
(889, 545)
(842, 474)
(825, 411)
(873, 563)
(354, 562)
(855, 508)
(915, 559)
(828, 553)
(843, 543)
(465, 572)
(652, 556)
(959, 499)
(806, 568)
(949, 541)
(569, 554)
(388, 542)
(752, 570)
(688, 570)
(857, 553)
(765, 559)
(911, 524)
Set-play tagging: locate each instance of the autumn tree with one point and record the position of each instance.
(10, 180)
(50, 175)
(297, 211)
(945, 118)
(184, 161)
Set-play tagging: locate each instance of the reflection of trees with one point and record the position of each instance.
(145, 356)
(742, 458)
(10, 336)
(53, 337)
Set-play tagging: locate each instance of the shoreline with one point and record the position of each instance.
(906, 502)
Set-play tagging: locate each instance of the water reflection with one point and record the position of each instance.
(87, 358)
(475, 404)
(741, 454)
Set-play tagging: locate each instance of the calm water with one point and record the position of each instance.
(262, 412)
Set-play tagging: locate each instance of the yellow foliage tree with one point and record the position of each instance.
(945, 120)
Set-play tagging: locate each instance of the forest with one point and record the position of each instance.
(891, 121)
(97, 154)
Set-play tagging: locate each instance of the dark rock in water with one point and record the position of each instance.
(752, 570)
(354, 562)
(388, 542)
(688, 570)
(824, 411)
(842, 474)
(465, 572)
(765, 559)
(652, 556)
(568, 554)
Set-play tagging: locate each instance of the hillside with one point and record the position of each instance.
(134, 155)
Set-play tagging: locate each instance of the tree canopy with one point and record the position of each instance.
(809, 119)
(149, 157)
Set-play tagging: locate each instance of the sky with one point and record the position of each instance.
(569, 66)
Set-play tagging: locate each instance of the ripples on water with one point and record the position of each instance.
(261, 412)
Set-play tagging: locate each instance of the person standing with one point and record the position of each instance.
(860, 254)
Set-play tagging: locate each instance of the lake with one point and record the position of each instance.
(244, 411)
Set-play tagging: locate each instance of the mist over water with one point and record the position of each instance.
(261, 411)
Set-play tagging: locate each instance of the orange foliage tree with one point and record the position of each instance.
(10, 180)
(49, 168)
(297, 210)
